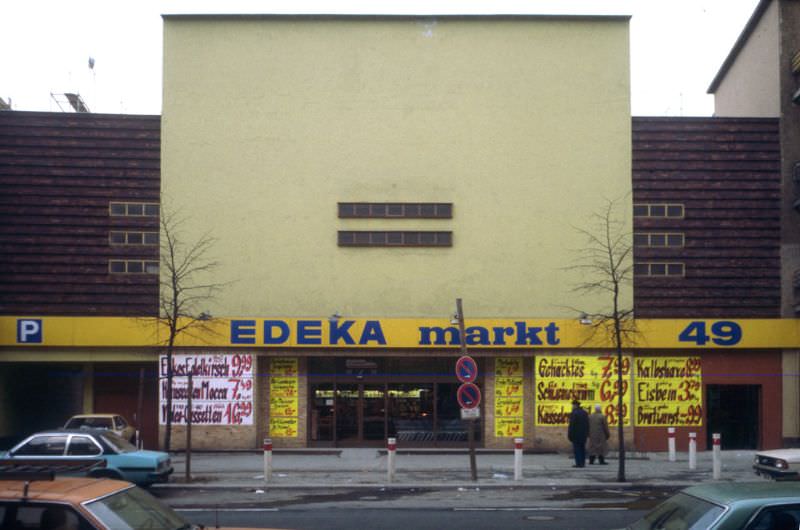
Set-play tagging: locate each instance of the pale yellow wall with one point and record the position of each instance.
(522, 123)
(750, 88)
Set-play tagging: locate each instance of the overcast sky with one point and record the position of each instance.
(677, 46)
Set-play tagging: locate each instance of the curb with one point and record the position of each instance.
(432, 486)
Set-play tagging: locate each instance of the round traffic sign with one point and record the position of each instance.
(469, 396)
(466, 369)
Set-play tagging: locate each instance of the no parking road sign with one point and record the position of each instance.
(469, 396)
(466, 369)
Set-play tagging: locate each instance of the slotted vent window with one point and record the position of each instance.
(382, 210)
(394, 239)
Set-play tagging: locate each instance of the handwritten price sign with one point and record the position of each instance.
(592, 380)
(222, 389)
(509, 389)
(284, 388)
(669, 391)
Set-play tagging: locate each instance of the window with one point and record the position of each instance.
(44, 446)
(786, 516)
(395, 239)
(402, 210)
(657, 269)
(133, 238)
(48, 517)
(665, 210)
(83, 446)
(132, 266)
(658, 239)
(134, 209)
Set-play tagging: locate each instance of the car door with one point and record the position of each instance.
(42, 446)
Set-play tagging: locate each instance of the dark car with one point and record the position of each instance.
(123, 460)
(728, 506)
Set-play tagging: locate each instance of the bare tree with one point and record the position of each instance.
(184, 292)
(606, 265)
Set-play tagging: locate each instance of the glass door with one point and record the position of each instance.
(374, 403)
(322, 412)
(348, 412)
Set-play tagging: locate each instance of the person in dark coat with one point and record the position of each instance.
(578, 432)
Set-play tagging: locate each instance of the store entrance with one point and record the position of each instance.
(360, 413)
(733, 412)
(387, 398)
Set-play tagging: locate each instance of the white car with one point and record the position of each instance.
(779, 464)
(111, 422)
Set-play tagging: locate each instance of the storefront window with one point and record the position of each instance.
(411, 412)
(449, 426)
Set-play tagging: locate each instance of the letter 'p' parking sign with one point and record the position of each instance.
(29, 331)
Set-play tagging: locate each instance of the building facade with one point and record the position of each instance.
(360, 174)
(761, 78)
(79, 225)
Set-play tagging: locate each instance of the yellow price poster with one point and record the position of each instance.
(668, 391)
(508, 392)
(283, 406)
(508, 427)
(508, 386)
(592, 380)
(508, 367)
(283, 386)
(283, 367)
(280, 427)
(508, 407)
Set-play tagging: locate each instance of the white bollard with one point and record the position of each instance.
(717, 455)
(692, 450)
(671, 443)
(391, 449)
(518, 458)
(267, 459)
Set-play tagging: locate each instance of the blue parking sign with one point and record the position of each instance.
(29, 331)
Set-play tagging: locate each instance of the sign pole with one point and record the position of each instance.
(473, 467)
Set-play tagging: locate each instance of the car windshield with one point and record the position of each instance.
(135, 508)
(89, 423)
(680, 512)
(119, 444)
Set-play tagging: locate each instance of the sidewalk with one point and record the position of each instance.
(367, 468)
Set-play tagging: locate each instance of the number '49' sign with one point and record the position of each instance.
(721, 333)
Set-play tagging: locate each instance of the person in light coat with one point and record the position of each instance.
(598, 436)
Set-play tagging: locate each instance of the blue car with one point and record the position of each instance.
(122, 459)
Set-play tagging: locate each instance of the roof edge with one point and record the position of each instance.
(744, 36)
(398, 16)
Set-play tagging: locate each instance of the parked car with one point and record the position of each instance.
(123, 460)
(46, 502)
(779, 464)
(112, 422)
(728, 506)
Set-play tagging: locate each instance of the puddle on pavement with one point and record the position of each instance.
(631, 499)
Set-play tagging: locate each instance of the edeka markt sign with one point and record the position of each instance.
(371, 333)
(32, 331)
